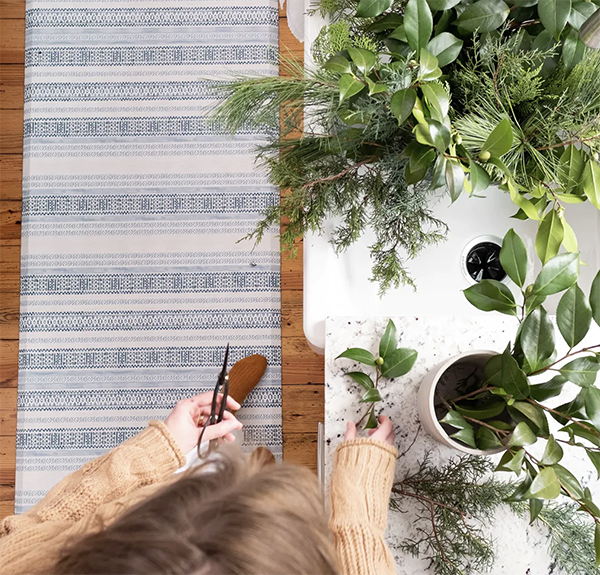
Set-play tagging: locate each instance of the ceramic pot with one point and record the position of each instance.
(427, 396)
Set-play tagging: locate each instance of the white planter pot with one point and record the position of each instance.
(426, 401)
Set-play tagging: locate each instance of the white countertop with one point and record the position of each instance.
(520, 550)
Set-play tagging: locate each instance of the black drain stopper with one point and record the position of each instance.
(483, 262)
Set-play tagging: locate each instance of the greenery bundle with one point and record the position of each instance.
(413, 96)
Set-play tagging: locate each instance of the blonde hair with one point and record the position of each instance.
(232, 517)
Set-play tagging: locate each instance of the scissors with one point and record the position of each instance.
(214, 417)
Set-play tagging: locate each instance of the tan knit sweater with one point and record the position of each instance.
(90, 499)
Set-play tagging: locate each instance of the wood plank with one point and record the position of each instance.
(11, 173)
(10, 265)
(301, 449)
(12, 9)
(12, 41)
(292, 314)
(8, 412)
(9, 316)
(10, 220)
(289, 46)
(300, 364)
(8, 455)
(11, 86)
(292, 276)
(7, 501)
(11, 135)
(9, 362)
(303, 408)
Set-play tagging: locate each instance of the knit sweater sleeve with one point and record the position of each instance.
(361, 483)
(149, 457)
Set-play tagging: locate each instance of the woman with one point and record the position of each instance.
(127, 512)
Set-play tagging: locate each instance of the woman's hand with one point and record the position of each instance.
(384, 433)
(188, 416)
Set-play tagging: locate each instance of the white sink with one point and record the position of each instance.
(339, 285)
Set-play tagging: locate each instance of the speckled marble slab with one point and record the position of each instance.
(520, 549)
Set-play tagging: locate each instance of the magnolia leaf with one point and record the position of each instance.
(522, 489)
(420, 157)
(362, 379)
(549, 236)
(580, 12)
(389, 340)
(402, 104)
(595, 459)
(512, 378)
(500, 140)
(445, 46)
(455, 419)
(486, 439)
(445, 18)
(466, 435)
(399, 34)
(440, 5)
(440, 135)
(553, 452)
(545, 485)
(418, 24)
(522, 436)
(371, 396)
(558, 274)
(338, 64)
(534, 414)
(513, 256)
(595, 298)
(592, 405)
(455, 179)
(493, 409)
(387, 22)
(568, 481)
(533, 301)
(573, 315)
(372, 422)
(358, 354)
(399, 362)
(483, 16)
(376, 88)
(349, 86)
(428, 66)
(569, 239)
(413, 177)
(535, 508)
(591, 182)
(438, 175)
(573, 50)
(537, 339)
(581, 371)
(491, 295)
(480, 179)
(364, 59)
(372, 8)
(554, 15)
(510, 462)
(437, 98)
(548, 389)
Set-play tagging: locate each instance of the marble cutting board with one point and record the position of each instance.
(520, 548)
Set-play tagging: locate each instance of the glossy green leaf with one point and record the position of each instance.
(439, 5)
(573, 49)
(438, 175)
(576, 430)
(483, 16)
(492, 409)
(455, 179)
(445, 47)
(533, 301)
(597, 544)
(500, 140)
(545, 485)
(549, 236)
(580, 12)
(537, 339)
(491, 295)
(389, 340)
(364, 59)
(439, 134)
(387, 22)
(399, 362)
(466, 435)
(592, 405)
(486, 439)
(595, 298)
(375, 87)
(402, 104)
(399, 34)
(428, 66)
(349, 86)
(573, 315)
(372, 8)
(522, 489)
(522, 436)
(554, 15)
(444, 21)
(569, 239)
(358, 354)
(548, 389)
(595, 459)
(455, 419)
(362, 379)
(418, 24)
(552, 453)
(589, 33)
(413, 177)
(371, 422)
(560, 273)
(570, 167)
(480, 179)
(437, 98)
(371, 396)
(581, 371)
(421, 157)
(338, 64)
(591, 182)
(534, 414)
(568, 481)
(510, 462)
(513, 256)
(514, 380)
(535, 508)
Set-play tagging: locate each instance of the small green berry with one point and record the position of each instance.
(484, 155)
(412, 63)
(379, 361)
(457, 139)
(529, 289)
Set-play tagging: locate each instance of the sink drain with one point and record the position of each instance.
(481, 259)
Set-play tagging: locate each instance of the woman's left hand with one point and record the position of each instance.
(188, 416)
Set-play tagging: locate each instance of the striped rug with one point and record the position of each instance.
(133, 280)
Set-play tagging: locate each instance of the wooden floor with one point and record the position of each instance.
(303, 379)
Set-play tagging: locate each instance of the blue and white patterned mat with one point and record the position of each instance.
(133, 204)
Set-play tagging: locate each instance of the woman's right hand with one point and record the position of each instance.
(384, 433)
